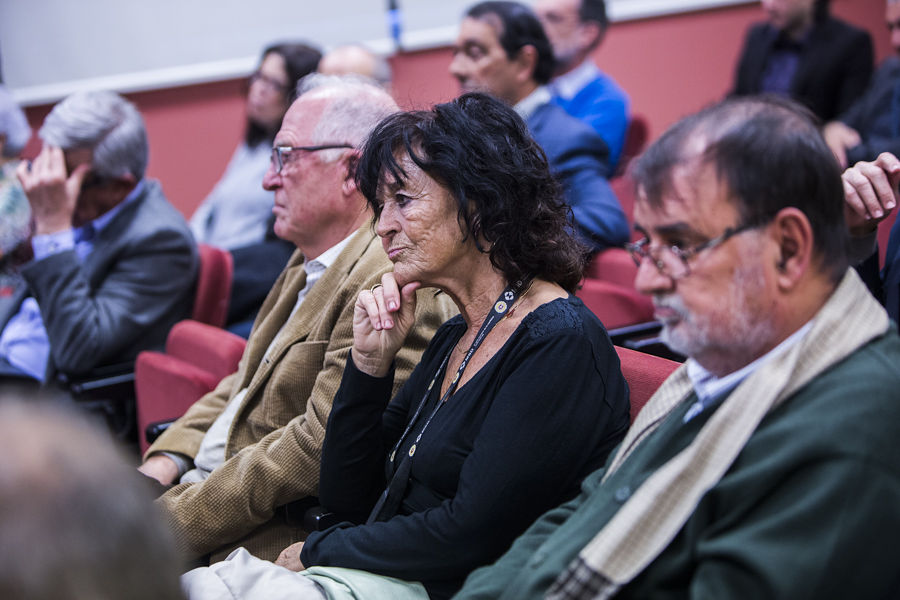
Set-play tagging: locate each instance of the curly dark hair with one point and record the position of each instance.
(481, 151)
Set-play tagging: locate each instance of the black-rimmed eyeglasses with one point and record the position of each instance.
(280, 152)
(673, 261)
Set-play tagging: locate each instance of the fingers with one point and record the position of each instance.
(48, 167)
(868, 187)
(368, 302)
(384, 303)
(390, 292)
(73, 184)
(890, 164)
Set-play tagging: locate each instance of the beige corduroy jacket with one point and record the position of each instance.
(274, 444)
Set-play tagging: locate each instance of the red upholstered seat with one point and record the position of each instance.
(213, 285)
(615, 305)
(644, 374)
(613, 265)
(635, 140)
(197, 357)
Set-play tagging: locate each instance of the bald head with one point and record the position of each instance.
(356, 60)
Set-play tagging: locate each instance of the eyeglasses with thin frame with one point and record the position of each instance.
(278, 153)
(270, 82)
(674, 261)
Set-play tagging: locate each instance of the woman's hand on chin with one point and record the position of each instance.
(382, 318)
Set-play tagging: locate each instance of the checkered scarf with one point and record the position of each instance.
(657, 511)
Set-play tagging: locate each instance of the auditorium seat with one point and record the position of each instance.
(197, 357)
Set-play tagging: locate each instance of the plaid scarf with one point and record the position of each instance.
(657, 511)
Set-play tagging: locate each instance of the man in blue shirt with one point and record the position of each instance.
(576, 29)
(503, 50)
(114, 263)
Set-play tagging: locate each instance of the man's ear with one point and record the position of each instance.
(526, 61)
(794, 246)
(590, 35)
(349, 161)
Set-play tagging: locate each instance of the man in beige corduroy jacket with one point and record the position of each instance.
(253, 444)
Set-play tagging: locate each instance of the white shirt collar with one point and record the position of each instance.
(530, 103)
(104, 219)
(569, 84)
(316, 267)
(326, 259)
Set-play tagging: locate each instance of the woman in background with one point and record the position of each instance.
(237, 210)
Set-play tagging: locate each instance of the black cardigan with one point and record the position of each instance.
(513, 442)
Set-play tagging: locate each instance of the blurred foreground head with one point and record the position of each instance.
(76, 522)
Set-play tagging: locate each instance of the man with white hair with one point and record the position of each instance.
(114, 263)
(252, 446)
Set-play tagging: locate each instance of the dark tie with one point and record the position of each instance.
(85, 233)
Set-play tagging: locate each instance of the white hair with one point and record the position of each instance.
(107, 124)
(357, 105)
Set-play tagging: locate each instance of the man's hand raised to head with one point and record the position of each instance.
(51, 193)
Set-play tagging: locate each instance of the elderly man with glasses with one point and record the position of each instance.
(253, 445)
(767, 466)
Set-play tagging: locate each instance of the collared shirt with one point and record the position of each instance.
(211, 453)
(711, 390)
(569, 84)
(781, 67)
(24, 342)
(530, 103)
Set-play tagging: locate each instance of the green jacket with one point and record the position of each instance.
(810, 508)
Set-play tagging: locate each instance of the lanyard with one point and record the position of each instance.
(398, 476)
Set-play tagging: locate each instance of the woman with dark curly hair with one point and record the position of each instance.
(516, 399)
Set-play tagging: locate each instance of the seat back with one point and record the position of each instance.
(197, 357)
(635, 140)
(644, 374)
(613, 265)
(210, 348)
(623, 187)
(213, 285)
(615, 305)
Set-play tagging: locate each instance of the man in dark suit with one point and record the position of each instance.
(804, 53)
(503, 50)
(872, 125)
(114, 263)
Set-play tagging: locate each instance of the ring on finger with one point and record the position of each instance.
(374, 287)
